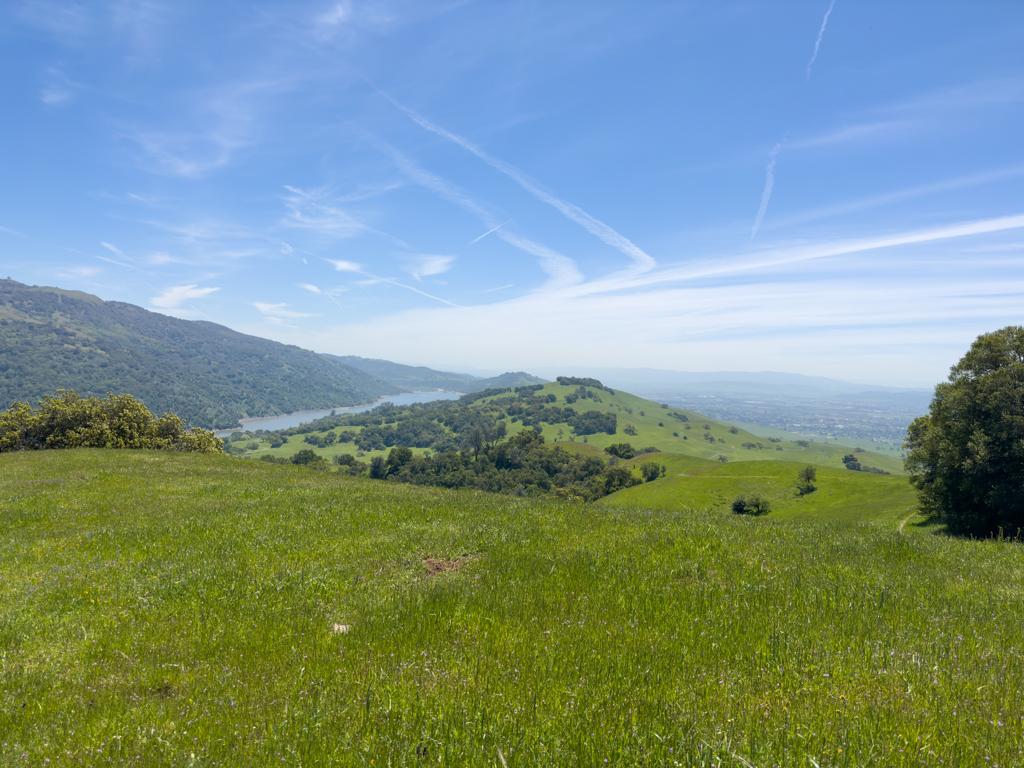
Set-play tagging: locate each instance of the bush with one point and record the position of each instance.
(67, 420)
(752, 504)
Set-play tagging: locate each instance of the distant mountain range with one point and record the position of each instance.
(729, 382)
(206, 373)
(420, 377)
(212, 376)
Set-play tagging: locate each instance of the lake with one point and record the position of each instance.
(287, 421)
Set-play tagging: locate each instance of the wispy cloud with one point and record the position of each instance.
(345, 266)
(718, 267)
(174, 296)
(560, 268)
(641, 261)
(335, 15)
(901, 195)
(210, 127)
(279, 310)
(817, 43)
(309, 287)
(769, 185)
(316, 211)
(112, 248)
(876, 131)
(424, 265)
(489, 231)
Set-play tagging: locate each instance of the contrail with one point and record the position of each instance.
(769, 183)
(641, 260)
(485, 234)
(817, 44)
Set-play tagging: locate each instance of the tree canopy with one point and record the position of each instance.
(966, 457)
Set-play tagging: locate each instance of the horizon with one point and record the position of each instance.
(822, 188)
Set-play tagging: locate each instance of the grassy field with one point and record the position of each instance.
(654, 426)
(842, 495)
(180, 609)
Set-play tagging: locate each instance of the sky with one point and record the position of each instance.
(828, 187)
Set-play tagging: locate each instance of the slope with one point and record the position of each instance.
(176, 609)
(559, 412)
(421, 377)
(841, 495)
(206, 373)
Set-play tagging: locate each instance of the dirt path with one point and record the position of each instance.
(906, 520)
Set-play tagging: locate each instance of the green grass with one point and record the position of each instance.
(179, 609)
(655, 428)
(841, 495)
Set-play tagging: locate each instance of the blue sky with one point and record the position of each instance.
(830, 189)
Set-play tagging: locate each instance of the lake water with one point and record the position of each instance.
(271, 423)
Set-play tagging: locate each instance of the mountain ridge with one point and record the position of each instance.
(208, 374)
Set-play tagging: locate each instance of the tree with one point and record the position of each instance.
(805, 480)
(378, 469)
(651, 470)
(966, 457)
(851, 462)
(753, 504)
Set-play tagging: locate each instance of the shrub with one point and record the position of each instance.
(67, 420)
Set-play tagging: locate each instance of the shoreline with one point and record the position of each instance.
(246, 423)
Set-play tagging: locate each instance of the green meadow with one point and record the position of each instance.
(193, 610)
(841, 495)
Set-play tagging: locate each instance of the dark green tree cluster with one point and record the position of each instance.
(966, 457)
(66, 420)
(593, 422)
(523, 465)
(574, 381)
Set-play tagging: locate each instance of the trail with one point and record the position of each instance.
(906, 520)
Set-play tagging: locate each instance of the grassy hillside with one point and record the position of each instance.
(841, 495)
(670, 430)
(208, 374)
(198, 610)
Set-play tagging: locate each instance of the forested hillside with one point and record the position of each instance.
(206, 373)
(421, 377)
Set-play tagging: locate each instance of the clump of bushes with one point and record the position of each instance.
(752, 504)
(67, 420)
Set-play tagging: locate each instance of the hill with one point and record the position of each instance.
(183, 609)
(408, 376)
(420, 377)
(209, 375)
(463, 443)
(556, 410)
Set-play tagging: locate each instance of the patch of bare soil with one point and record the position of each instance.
(435, 566)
